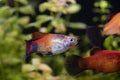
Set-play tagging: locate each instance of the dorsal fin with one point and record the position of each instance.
(37, 35)
(94, 50)
(94, 36)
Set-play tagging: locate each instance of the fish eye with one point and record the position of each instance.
(72, 40)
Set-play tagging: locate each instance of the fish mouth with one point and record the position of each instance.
(75, 42)
(78, 42)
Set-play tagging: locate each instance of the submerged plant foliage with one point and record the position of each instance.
(51, 16)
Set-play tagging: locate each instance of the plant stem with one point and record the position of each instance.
(58, 15)
(50, 27)
(16, 8)
(68, 17)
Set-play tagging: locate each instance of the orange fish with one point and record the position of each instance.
(113, 26)
(106, 61)
(49, 44)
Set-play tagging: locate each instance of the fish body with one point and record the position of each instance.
(49, 44)
(113, 26)
(105, 61)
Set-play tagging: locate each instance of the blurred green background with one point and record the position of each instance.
(55, 16)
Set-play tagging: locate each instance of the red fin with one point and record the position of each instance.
(28, 51)
(37, 35)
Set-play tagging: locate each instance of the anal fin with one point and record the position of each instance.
(27, 58)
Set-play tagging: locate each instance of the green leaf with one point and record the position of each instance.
(77, 25)
(59, 25)
(52, 7)
(12, 20)
(57, 65)
(27, 10)
(40, 20)
(15, 61)
(115, 43)
(2, 20)
(5, 11)
(108, 42)
(44, 6)
(103, 4)
(44, 18)
(35, 24)
(24, 20)
(73, 8)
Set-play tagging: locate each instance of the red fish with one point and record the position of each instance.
(113, 26)
(49, 44)
(106, 61)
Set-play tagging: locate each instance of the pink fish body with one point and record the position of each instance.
(49, 44)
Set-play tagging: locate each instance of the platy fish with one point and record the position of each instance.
(49, 44)
(113, 26)
(105, 61)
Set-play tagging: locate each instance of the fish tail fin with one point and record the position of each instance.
(74, 65)
(28, 51)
